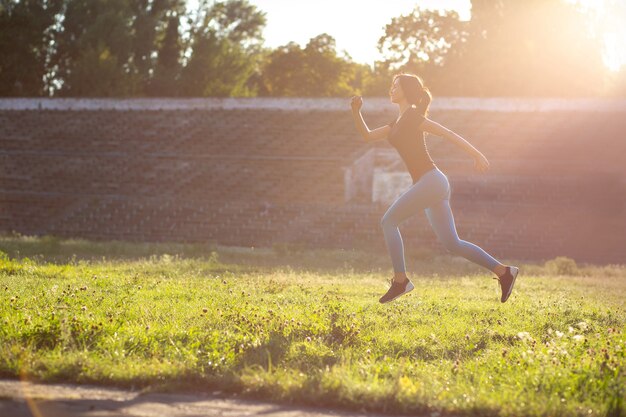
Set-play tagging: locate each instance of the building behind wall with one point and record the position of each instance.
(255, 172)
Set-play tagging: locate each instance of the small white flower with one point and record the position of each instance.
(578, 337)
(559, 334)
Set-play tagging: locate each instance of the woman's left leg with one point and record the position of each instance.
(430, 188)
(442, 221)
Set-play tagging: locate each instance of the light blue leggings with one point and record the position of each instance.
(430, 193)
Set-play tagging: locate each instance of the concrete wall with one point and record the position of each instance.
(262, 171)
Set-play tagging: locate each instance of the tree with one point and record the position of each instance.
(168, 66)
(222, 48)
(421, 40)
(315, 70)
(93, 49)
(531, 47)
(151, 24)
(24, 42)
(217, 67)
(283, 73)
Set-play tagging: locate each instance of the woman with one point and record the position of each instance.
(430, 190)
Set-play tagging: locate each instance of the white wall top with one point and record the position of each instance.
(370, 104)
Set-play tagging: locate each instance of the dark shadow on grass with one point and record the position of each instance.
(267, 355)
(58, 250)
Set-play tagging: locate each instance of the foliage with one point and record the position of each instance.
(24, 40)
(130, 48)
(315, 70)
(421, 39)
(562, 265)
(538, 47)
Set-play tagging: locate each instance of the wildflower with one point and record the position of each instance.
(84, 308)
(559, 334)
(578, 337)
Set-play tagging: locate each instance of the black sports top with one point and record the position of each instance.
(408, 139)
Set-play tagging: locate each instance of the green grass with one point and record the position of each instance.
(304, 326)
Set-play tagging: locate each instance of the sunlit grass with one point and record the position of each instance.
(299, 325)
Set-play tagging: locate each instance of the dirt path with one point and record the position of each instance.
(25, 399)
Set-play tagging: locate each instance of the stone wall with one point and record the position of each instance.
(256, 172)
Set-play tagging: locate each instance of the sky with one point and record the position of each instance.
(357, 25)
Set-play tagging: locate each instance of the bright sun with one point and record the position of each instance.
(608, 19)
(289, 20)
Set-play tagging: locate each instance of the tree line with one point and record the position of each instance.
(164, 48)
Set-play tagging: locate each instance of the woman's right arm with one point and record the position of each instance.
(368, 135)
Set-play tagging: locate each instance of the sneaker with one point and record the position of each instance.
(507, 280)
(396, 290)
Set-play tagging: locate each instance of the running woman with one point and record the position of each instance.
(430, 190)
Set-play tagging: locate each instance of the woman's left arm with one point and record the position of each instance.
(480, 161)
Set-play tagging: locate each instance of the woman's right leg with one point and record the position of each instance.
(442, 221)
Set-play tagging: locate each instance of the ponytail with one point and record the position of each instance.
(415, 92)
(424, 102)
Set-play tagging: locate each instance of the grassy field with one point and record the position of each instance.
(305, 326)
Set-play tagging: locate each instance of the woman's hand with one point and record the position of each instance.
(356, 103)
(480, 163)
